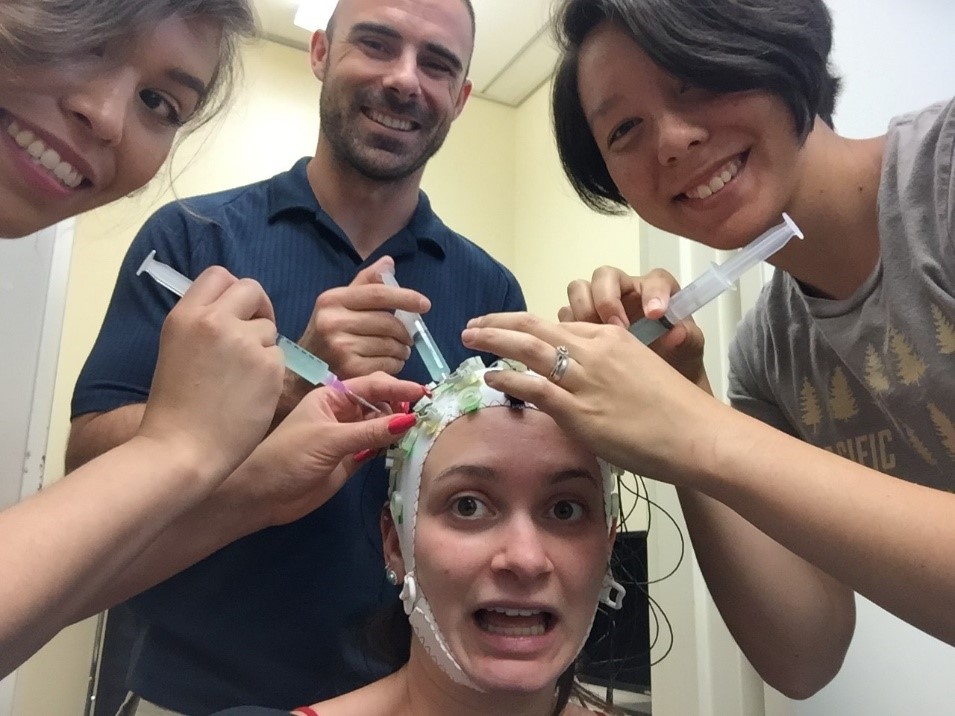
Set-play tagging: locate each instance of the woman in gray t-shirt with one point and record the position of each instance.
(709, 120)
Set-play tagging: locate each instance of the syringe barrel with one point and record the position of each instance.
(302, 363)
(408, 320)
(697, 294)
(430, 353)
(718, 278)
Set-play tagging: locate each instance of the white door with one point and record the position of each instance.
(705, 674)
(33, 279)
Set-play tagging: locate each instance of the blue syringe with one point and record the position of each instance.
(297, 359)
(421, 337)
(715, 281)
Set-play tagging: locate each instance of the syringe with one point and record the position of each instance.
(297, 359)
(716, 280)
(421, 336)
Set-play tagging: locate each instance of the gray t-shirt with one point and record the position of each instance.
(871, 378)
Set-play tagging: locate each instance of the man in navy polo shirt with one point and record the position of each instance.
(272, 618)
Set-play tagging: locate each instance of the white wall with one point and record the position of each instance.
(894, 56)
(556, 238)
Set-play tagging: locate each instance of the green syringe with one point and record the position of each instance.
(421, 337)
(297, 359)
(716, 280)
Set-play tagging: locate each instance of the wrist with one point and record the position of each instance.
(183, 463)
(208, 458)
(242, 496)
(723, 459)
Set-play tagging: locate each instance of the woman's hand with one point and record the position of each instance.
(311, 454)
(219, 374)
(632, 408)
(618, 299)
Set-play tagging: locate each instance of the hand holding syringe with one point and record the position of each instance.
(297, 359)
(715, 281)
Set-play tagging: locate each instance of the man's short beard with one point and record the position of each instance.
(353, 152)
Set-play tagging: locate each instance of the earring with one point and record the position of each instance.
(613, 592)
(392, 576)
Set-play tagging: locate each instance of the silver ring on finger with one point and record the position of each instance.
(561, 363)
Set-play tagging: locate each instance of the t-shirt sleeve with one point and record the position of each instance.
(947, 170)
(251, 711)
(120, 367)
(747, 384)
(920, 161)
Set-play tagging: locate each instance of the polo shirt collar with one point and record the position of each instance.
(291, 192)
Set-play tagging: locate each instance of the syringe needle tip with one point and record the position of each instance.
(363, 402)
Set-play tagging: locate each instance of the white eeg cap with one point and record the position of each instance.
(461, 393)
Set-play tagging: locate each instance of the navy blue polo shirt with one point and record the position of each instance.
(272, 618)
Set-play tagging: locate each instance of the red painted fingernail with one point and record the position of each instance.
(362, 455)
(405, 406)
(401, 423)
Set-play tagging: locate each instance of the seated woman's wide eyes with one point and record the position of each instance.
(567, 511)
(469, 507)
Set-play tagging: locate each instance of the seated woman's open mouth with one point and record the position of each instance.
(514, 622)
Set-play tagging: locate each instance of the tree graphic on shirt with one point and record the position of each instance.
(911, 367)
(875, 375)
(944, 426)
(809, 402)
(920, 447)
(841, 401)
(944, 331)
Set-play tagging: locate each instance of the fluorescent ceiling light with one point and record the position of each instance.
(313, 15)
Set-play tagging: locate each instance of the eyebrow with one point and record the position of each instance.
(485, 473)
(604, 107)
(434, 48)
(188, 81)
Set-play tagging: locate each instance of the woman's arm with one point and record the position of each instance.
(294, 471)
(65, 544)
(890, 540)
(213, 395)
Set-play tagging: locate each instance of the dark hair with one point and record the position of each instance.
(387, 638)
(48, 32)
(780, 46)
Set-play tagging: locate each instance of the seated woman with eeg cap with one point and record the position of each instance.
(499, 530)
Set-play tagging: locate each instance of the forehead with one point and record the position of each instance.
(179, 47)
(444, 21)
(612, 63)
(509, 442)
(172, 45)
(197, 36)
